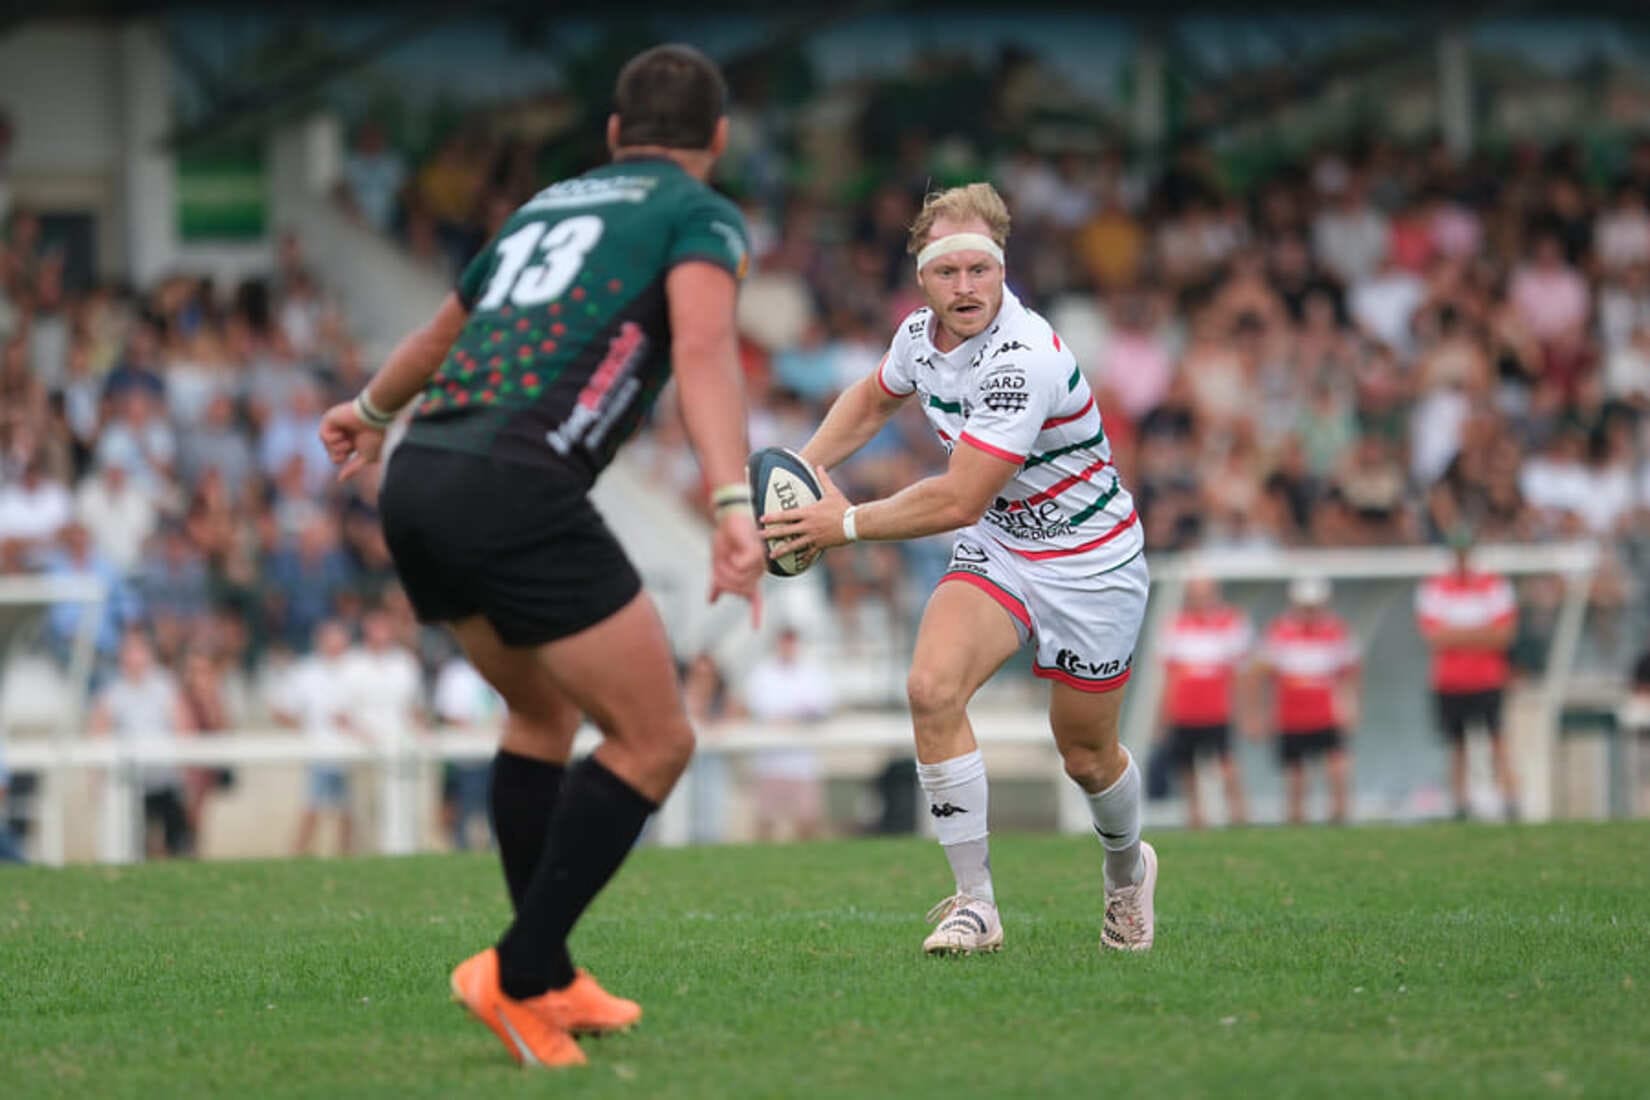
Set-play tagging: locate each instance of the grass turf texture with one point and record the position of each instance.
(1435, 961)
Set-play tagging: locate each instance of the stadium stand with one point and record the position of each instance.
(1368, 346)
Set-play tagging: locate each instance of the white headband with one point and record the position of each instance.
(959, 242)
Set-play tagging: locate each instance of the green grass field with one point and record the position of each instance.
(1436, 961)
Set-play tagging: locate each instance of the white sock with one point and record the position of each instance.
(958, 800)
(1116, 813)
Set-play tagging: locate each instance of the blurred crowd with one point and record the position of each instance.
(164, 440)
(1365, 346)
(1370, 347)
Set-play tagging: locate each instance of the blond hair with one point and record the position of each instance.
(959, 204)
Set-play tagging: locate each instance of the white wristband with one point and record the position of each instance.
(372, 415)
(849, 531)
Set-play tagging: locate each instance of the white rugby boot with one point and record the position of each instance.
(1130, 918)
(966, 925)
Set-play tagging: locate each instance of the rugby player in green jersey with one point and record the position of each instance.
(524, 384)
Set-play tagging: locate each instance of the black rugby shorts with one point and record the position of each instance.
(521, 545)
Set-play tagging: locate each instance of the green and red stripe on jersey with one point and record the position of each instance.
(1071, 481)
(1078, 415)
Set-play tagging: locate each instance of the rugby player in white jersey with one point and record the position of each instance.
(1048, 549)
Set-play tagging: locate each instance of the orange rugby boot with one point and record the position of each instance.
(528, 1029)
(585, 1008)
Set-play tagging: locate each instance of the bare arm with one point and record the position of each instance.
(351, 442)
(951, 500)
(419, 354)
(704, 352)
(954, 499)
(857, 414)
(705, 357)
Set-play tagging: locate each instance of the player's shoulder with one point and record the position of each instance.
(1022, 342)
(911, 332)
(915, 323)
(694, 198)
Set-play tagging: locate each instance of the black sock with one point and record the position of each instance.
(597, 821)
(522, 798)
(523, 795)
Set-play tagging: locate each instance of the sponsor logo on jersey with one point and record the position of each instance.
(1006, 401)
(1012, 345)
(1042, 521)
(1004, 390)
(593, 192)
(606, 395)
(1067, 661)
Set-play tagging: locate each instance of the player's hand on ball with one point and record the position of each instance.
(736, 561)
(814, 527)
(351, 443)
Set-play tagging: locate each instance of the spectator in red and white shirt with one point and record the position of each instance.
(1311, 661)
(1469, 618)
(1204, 647)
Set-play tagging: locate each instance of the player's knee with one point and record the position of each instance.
(673, 745)
(1088, 767)
(931, 694)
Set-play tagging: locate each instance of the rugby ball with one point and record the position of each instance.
(781, 481)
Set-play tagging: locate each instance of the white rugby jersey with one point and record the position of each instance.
(1015, 392)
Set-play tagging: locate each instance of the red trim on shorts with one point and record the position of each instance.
(1011, 603)
(884, 385)
(1078, 415)
(1096, 687)
(994, 452)
(1043, 555)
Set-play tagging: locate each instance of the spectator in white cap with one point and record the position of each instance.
(1310, 662)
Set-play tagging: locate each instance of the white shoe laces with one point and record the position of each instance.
(1123, 910)
(950, 905)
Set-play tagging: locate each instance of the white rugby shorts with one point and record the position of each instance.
(1085, 626)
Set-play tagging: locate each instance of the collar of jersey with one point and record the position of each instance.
(1006, 313)
(646, 158)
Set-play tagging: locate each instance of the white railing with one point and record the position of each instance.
(398, 770)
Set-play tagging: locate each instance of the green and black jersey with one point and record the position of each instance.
(568, 342)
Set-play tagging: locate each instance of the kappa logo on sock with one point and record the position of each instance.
(946, 810)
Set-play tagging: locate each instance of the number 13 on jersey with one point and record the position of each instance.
(561, 250)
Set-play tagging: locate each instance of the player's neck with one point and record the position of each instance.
(695, 162)
(945, 341)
